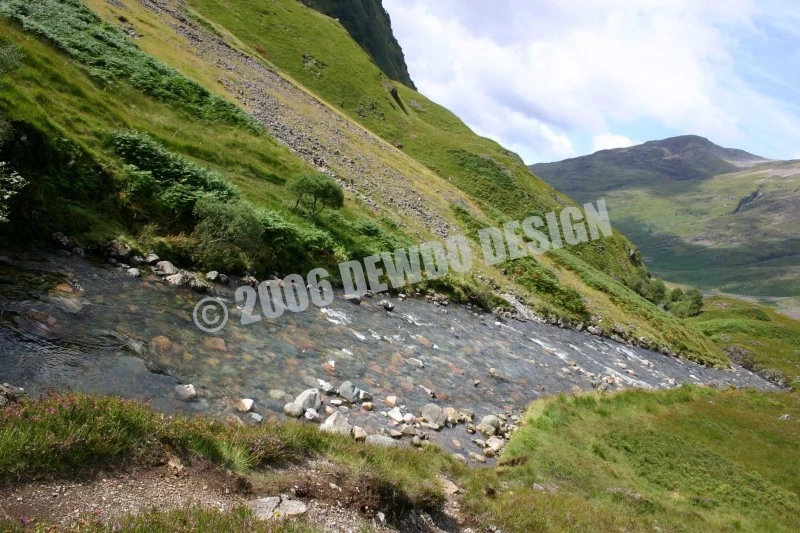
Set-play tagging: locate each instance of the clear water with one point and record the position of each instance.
(69, 323)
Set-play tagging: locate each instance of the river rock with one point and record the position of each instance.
(186, 393)
(364, 396)
(212, 276)
(151, 259)
(244, 405)
(10, 394)
(134, 272)
(198, 284)
(312, 415)
(325, 387)
(290, 508)
(386, 304)
(381, 440)
(309, 399)
(413, 361)
(434, 414)
(391, 401)
(254, 418)
(264, 508)
(293, 410)
(349, 392)
(60, 239)
(176, 280)
(396, 415)
(165, 268)
(117, 249)
(477, 457)
(495, 443)
(337, 423)
(359, 434)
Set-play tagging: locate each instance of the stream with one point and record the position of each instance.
(69, 323)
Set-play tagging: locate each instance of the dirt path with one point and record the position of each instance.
(181, 484)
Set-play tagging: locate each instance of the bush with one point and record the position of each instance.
(229, 233)
(10, 58)
(157, 176)
(687, 304)
(11, 184)
(316, 191)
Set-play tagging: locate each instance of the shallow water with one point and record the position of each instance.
(69, 323)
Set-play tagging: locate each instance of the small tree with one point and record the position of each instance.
(230, 233)
(11, 184)
(316, 191)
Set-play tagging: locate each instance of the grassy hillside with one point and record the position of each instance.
(182, 103)
(369, 25)
(688, 459)
(755, 336)
(683, 460)
(703, 215)
(495, 179)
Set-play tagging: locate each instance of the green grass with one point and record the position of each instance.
(682, 460)
(687, 459)
(771, 339)
(71, 433)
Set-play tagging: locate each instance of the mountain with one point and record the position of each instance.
(126, 115)
(713, 217)
(370, 26)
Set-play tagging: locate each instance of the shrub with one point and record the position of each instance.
(10, 58)
(154, 173)
(316, 191)
(687, 304)
(229, 233)
(11, 184)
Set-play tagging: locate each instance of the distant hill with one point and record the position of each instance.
(369, 25)
(702, 214)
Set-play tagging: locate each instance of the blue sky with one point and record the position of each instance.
(552, 79)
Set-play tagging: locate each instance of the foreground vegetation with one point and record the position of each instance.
(684, 460)
(688, 459)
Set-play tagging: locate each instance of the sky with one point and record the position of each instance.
(552, 79)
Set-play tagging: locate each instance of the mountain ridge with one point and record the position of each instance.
(705, 215)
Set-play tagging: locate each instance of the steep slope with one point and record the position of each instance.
(313, 99)
(703, 215)
(370, 26)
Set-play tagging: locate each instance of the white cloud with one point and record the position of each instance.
(540, 75)
(607, 141)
